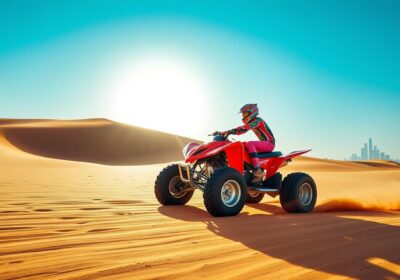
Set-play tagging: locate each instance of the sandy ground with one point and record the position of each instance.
(64, 219)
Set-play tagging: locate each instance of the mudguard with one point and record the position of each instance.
(234, 156)
(295, 154)
(233, 150)
(271, 165)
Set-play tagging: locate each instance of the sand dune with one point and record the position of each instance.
(76, 220)
(96, 140)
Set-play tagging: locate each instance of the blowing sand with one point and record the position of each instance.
(78, 219)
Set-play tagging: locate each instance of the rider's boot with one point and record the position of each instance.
(258, 175)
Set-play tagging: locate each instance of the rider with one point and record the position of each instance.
(263, 132)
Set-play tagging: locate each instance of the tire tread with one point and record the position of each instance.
(211, 195)
(288, 193)
(161, 187)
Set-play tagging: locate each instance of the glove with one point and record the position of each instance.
(226, 133)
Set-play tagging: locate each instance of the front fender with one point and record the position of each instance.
(234, 156)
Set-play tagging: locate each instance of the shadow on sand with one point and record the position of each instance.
(320, 241)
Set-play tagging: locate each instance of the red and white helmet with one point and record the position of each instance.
(253, 112)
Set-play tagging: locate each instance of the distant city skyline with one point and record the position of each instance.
(370, 151)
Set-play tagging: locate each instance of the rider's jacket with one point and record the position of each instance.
(259, 127)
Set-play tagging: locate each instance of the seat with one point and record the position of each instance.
(269, 155)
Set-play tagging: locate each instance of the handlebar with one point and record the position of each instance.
(218, 136)
(216, 133)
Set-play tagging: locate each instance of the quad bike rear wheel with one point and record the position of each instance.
(254, 197)
(170, 189)
(298, 193)
(225, 192)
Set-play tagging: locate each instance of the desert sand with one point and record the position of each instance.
(77, 202)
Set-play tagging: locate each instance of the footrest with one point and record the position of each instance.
(266, 190)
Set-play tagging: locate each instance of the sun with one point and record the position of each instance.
(164, 94)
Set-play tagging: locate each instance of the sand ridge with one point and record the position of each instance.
(66, 219)
(93, 140)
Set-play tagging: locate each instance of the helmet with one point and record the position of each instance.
(253, 112)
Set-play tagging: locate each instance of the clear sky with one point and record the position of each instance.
(324, 73)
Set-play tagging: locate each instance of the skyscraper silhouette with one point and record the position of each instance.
(370, 155)
(365, 157)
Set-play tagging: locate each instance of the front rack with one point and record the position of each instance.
(184, 172)
(187, 173)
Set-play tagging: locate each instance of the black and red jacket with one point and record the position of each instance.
(259, 127)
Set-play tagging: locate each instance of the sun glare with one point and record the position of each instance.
(162, 94)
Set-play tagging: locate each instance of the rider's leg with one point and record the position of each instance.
(263, 146)
(252, 152)
(258, 146)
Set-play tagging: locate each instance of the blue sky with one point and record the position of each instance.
(324, 73)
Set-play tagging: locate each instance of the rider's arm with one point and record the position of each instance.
(240, 129)
(244, 128)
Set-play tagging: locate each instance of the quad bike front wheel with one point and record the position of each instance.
(170, 189)
(225, 192)
(298, 193)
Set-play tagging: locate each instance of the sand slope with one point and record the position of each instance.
(75, 220)
(95, 140)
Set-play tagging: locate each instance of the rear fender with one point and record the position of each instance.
(295, 154)
(271, 165)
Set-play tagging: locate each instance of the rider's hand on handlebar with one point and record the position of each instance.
(223, 133)
(226, 133)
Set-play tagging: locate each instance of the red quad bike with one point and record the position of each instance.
(223, 171)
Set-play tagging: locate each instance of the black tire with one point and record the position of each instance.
(162, 187)
(291, 197)
(254, 197)
(213, 199)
